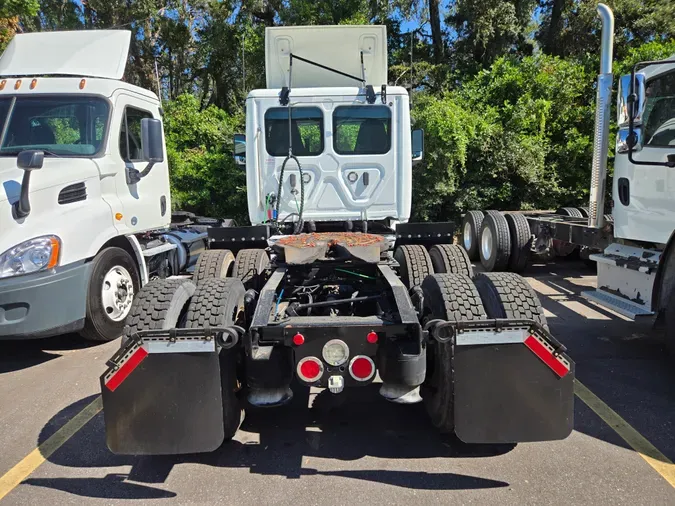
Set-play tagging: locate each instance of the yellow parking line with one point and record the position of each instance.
(33, 460)
(637, 441)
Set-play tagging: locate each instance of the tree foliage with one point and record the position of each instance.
(503, 88)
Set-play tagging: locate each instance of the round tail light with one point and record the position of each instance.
(362, 368)
(310, 369)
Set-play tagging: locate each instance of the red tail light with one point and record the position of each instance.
(310, 369)
(372, 337)
(362, 368)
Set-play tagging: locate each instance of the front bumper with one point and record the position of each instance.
(45, 303)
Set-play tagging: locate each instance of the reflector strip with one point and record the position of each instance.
(121, 374)
(541, 351)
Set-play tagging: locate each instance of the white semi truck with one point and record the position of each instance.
(85, 204)
(633, 240)
(333, 285)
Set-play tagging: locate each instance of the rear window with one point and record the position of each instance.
(306, 131)
(362, 130)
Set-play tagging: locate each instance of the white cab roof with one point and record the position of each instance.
(338, 47)
(87, 53)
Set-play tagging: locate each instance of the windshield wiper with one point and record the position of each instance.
(15, 152)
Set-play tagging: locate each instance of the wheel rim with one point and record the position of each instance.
(467, 236)
(117, 293)
(486, 243)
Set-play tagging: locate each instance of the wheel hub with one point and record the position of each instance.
(117, 293)
(467, 236)
(486, 243)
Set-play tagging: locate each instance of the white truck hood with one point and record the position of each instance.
(91, 53)
(48, 216)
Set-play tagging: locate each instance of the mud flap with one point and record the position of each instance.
(510, 387)
(163, 397)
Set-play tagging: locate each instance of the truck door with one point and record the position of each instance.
(644, 195)
(146, 204)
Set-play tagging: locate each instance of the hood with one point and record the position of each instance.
(59, 192)
(56, 172)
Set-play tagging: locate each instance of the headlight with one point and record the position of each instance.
(35, 255)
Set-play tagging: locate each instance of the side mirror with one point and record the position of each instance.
(152, 142)
(30, 159)
(417, 146)
(629, 141)
(240, 150)
(627, 106)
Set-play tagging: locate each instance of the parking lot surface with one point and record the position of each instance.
(356, 447)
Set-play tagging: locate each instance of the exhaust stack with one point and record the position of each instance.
(596, 216)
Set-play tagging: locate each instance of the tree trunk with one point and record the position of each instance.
(436, 34)
(552, 40)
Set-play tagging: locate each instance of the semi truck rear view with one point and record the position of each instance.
(332, 286)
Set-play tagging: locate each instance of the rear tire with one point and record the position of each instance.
(495, 242)
(107, 308)
(570, 211)
(585, 213)
(470, 231)
(415, 264)
(214, 263)
(250, 266)
(161, 304)
(508, 295)
(451, 297)
(220, 303)
(670, 326)
(450, 258)
(521, 241)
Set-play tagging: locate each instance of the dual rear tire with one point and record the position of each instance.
(456, 297)
(500, 241)
(179, 303)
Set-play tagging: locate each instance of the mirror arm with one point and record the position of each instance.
(135, 175)
(21, 208)
(146, 171)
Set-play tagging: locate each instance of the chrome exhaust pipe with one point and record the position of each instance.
(596, 209)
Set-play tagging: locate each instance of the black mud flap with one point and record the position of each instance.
(512, 388)
(163, 397)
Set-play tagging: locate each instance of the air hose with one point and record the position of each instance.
(299, 225)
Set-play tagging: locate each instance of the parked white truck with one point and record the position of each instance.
(336, 287)
(85, 204)
(634, 246)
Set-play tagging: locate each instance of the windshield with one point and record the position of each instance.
(659, 115)
(59, 126)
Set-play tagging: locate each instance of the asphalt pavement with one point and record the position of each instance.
(354, 448)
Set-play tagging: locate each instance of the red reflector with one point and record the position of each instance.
(371, 337)
(546, 356)
(298, 339)
(126, 369)
(310, 370)
(362, 368)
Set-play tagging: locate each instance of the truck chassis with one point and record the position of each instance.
(475, 349)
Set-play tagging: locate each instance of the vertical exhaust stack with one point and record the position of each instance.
(602, 117)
